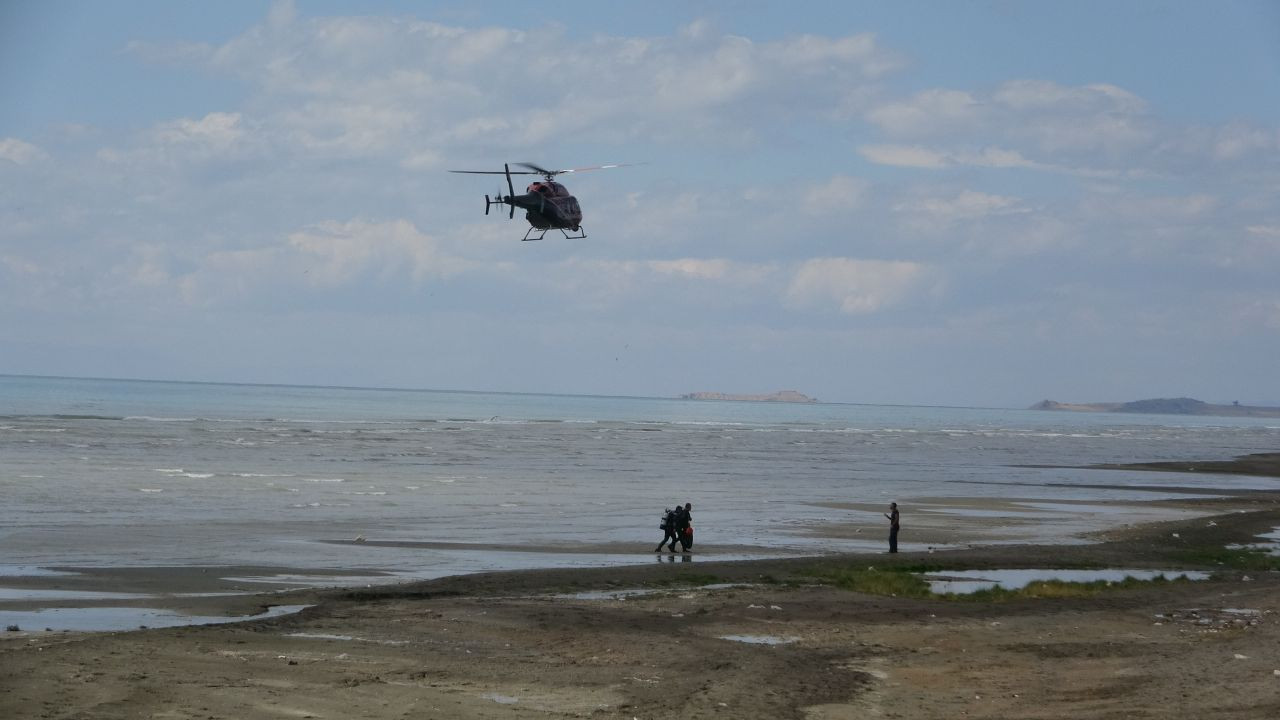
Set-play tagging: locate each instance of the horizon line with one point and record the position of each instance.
(377, 388)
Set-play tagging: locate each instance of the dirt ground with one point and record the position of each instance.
(753, 639)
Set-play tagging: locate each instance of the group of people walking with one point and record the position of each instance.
(677, 527)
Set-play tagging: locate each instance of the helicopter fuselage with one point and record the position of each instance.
(548, 204)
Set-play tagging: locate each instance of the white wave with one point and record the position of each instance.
(148, 418)
(150, 490)
(263, 475)
(179, 472)
(324, 480)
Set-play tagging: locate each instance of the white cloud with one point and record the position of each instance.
(422, 160)
(325, 257)
(1061, 118)
(1042, 95)
(913, 156)
(215, 131)
(928, 112)
(20, 152)
(965, 205)
(1266, 231)
(1151, 210)
(623, 277)
(336, 253)
(840, 193)
(856, 287)
(1077, 129)
(692, 268)
(917, 156)
(379, 84)
(1237, 141)
(713, 269)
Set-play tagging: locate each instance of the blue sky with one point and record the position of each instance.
(983, 203)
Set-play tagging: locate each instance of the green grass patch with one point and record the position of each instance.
(1045, 589)
(873, 581)
(1230, 558)
(909, 582)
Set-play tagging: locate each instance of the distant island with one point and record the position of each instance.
(1164, 406)
(787, 396)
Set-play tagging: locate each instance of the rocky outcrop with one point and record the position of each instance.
(1164, 406)
(789, 396)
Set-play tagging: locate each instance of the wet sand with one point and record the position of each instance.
(748, 639)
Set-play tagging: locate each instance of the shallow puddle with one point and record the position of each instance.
(30, 571)
(760, 639)
(640, 592)
(608, 594)
(122, 618)
(345, 638)
(964, 582)
(317, 581)
(42, 594)
(1271, 546)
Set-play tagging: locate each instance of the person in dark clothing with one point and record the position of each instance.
(668, 526)
(893, 526)
(684, 527)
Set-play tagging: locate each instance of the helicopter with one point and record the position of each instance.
(547, 204)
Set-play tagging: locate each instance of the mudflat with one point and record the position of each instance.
(703, 639)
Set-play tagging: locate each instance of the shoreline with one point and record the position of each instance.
(712, 639)
(934, 525)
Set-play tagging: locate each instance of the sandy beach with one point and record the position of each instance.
(693, 637)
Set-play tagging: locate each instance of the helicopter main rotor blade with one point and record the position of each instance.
(600, 167)
(539, 170)
(548, 174)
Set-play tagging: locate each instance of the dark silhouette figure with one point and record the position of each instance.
(684, 526)
(669, 523)
(893, 526)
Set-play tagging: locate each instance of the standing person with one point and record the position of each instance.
(893, 526)
(684, 527)
(668, 528)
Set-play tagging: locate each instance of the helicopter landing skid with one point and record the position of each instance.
(542, 232)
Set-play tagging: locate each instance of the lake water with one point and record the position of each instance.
(112, 472)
